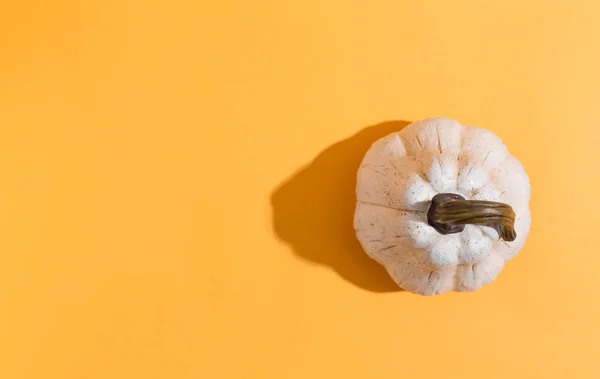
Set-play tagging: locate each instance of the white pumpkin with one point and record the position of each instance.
(432, 246)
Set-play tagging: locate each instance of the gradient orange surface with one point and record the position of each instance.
(177, 177)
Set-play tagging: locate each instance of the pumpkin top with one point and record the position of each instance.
(399, 178)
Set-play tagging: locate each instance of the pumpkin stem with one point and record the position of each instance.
(449, 213)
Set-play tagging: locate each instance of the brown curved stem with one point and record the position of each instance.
(449, 213)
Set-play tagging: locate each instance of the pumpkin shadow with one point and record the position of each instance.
(313, 210)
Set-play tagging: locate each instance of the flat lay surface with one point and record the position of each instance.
(177, 185)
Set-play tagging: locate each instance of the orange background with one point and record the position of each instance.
(177, 177)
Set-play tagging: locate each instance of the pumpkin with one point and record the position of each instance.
(441, 206)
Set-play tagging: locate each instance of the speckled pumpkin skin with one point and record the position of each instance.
(396, 181)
